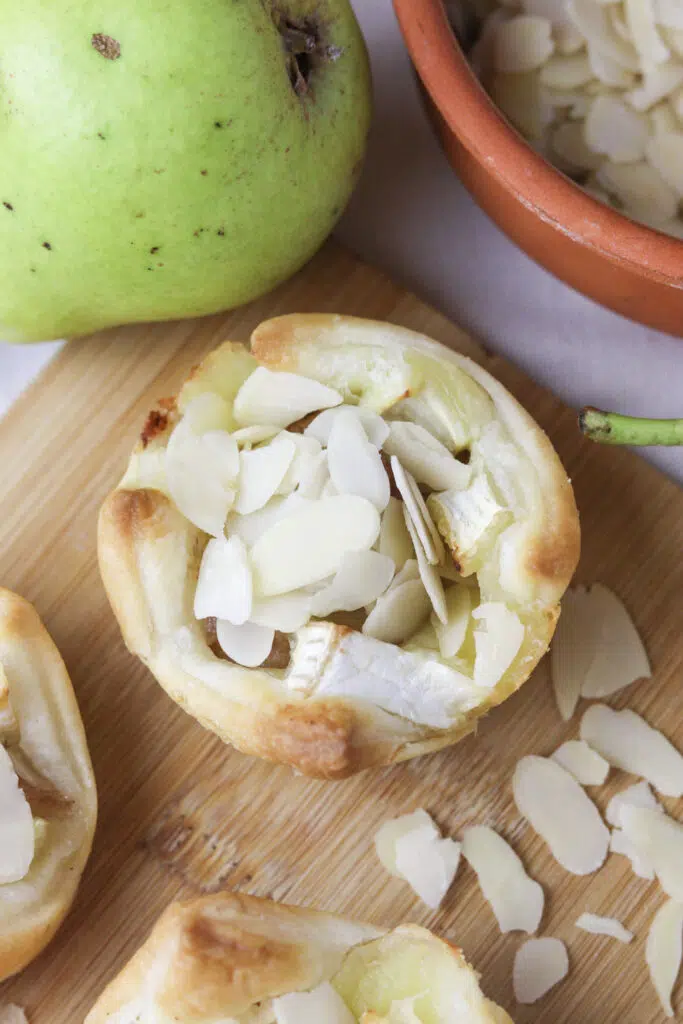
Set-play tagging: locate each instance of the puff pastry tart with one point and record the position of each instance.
(341, 547)
(48, 803)
(233, 959)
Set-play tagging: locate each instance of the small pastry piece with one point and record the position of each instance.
(340, 548)
(48, 803)
(229, 957)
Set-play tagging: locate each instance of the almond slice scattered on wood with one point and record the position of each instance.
(563, 815)
(311, 543)
(11, 1014)
(609, 926)
(17, 837)
(639, 795)
(571, 651)
(354, 463)
(516, 900)
(262, 470)
(540, 964)
(361, 579)
(394, 539)
(431, 580)
(224, 588)
(376, 430)
(322, 1003)
(411, 847)
(274, 397)
(663, 951)
(659, 839)
(451, 634)
(497, 640)
(429, 461)
(418, 513)
(248, 644)
(584, 763)
(619, 657)
(628, 742)
(620, 843)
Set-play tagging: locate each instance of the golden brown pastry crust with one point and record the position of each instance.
(64, 794)
(213, 959)
(149, 556)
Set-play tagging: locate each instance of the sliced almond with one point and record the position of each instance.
(411, 848)
(664, 950)
(311, 543)
(619, 657)
(497, 641)
(362, 578)
(285, 613)
(516, 900)
(354, 463)
(563, 815)
(659, 839)
(11, 1014)
(261, 473)
(429, 461)
(322, 1003)
(306, 459)
(394, 539)
(620, 844)
(639, 795)
(247, 644)
(398, 613)
(572, 649)
(419, 515)
(254, 525)
(224, 588)
(640, 18)
(540, 964)
(522, 44)
(201, 473)
(17, 837)
(376, 430)
(312, 477)
(615, 130)
(451, 635)
(585, 764)
(274, 397)
(609, 926)
(628, 742)
(431, 580)
(247, 436)
(207, 412)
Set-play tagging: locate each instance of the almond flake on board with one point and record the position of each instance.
(12, 1014)
(540, 964)
(577, 836)
(428, 460)
(609, 926)
(663, 951)
(639, 795)
(659, 839)
(584, 763)
(248, 644)
(411, 847)
(516, 899)
(17, 836)
(319, 1004)
(224, 588)
(628, 742)
(281, 398)
(311, 543)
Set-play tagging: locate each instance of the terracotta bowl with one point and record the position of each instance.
(634, 270)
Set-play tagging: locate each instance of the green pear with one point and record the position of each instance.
(169, 158)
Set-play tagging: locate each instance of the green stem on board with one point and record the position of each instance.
(612, 428)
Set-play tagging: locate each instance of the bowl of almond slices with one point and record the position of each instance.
(564, 119)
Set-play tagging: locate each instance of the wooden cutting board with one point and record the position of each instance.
(181, 814)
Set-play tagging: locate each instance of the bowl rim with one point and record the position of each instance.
(473, 117)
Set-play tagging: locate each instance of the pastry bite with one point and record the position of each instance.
(48, 802)
(340, 547)
(234, 959)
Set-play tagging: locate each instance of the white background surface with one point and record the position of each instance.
(411, 217)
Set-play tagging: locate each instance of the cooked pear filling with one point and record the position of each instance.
(323, 513)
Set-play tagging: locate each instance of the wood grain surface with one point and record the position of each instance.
(181, 814)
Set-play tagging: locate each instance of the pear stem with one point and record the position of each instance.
(612, 428)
